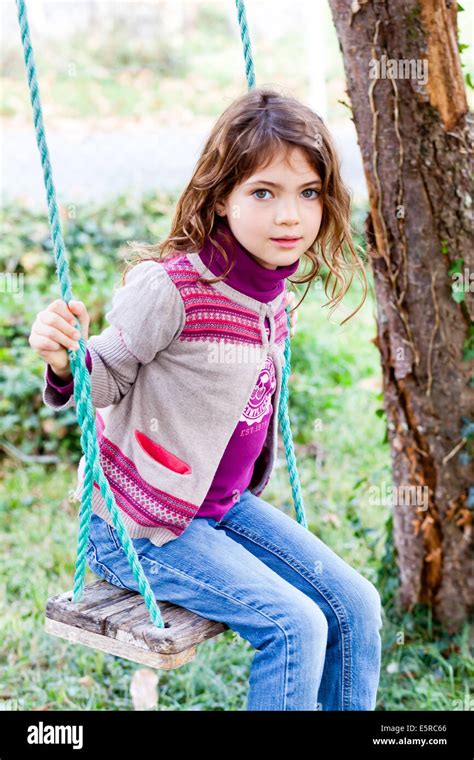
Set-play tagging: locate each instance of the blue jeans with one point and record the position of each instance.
(313, 619)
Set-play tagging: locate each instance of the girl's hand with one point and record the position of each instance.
(53, 332)
(290, 299)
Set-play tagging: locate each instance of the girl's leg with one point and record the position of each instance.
(350, 603)
(206, 571)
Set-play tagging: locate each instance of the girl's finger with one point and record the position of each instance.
(80, 312)
(61, 324)
(42, 343)
(60, 307)
(54, 335)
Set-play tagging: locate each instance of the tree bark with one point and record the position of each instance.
(416, 136)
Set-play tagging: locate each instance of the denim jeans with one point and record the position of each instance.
(313, 619)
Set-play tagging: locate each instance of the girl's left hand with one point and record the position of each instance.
(290, 299)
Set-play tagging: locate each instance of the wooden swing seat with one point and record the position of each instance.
(116, 621)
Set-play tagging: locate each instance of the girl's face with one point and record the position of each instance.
(279, 201)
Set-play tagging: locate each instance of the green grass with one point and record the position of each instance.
(342, 451)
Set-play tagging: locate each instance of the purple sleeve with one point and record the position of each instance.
(65, 389)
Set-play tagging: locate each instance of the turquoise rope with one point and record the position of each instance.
(82, 389)
(283, 415)
(284, 420)
(245, 37)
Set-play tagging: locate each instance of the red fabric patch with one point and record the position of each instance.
(162, 455)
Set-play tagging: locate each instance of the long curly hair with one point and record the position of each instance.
(245, 138)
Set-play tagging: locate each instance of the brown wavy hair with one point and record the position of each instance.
(245, 138)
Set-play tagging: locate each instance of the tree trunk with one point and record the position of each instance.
(416, 135)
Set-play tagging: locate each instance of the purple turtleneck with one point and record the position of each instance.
(235, 469)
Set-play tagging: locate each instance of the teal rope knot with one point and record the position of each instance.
(82, 387)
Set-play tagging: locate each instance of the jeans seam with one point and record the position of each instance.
(92, 549)
(111, 531)
(255, 538)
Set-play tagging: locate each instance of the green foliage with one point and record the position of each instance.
(462, 47)
(468, 352)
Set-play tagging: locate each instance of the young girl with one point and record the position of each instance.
(188, 378)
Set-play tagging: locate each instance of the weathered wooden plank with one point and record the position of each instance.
(95, 593)
(118, 648)
(190, 631)
(91, 612)
(120, 616)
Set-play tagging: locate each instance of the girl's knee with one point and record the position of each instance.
(308, 621)
(369, 602)
(294, 615)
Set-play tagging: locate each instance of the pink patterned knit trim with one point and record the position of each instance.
(142, 502)
(210, 315)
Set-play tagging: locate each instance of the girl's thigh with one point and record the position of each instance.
(300, 557)
(204, 570)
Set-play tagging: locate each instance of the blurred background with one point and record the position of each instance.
(129, 92)
(131, 89)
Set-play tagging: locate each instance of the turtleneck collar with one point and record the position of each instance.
(247, 275)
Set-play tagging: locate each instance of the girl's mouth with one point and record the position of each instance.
(286, 242)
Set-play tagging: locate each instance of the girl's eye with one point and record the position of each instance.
(312, 190)
(309, 189)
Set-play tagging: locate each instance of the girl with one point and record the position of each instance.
(188, 429)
